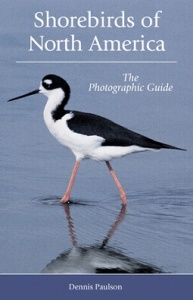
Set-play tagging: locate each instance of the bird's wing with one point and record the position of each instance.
(113, 134)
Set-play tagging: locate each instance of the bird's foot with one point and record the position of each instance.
(65, 198)
(123, 198)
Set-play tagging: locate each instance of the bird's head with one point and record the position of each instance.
(52, 86)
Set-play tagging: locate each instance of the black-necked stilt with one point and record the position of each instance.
(88, 135)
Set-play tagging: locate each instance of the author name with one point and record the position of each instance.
(95, 287)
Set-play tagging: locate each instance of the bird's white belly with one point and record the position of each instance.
(110, 152)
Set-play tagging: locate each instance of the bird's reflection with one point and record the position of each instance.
(96, 259)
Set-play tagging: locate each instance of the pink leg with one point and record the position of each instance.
(66, 196)
(121, 190)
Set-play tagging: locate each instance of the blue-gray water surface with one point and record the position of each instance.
(94, 234)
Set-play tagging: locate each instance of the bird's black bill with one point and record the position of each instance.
(26, 95)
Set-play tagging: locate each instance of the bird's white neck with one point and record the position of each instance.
(55, 98)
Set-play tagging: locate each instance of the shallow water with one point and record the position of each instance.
(94, 233)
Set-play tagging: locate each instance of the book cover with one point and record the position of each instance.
(90, 66)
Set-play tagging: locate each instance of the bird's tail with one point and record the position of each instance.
(166, 146)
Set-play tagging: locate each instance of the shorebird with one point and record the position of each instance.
(88, 135)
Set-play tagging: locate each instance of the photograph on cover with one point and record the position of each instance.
(85, 84)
